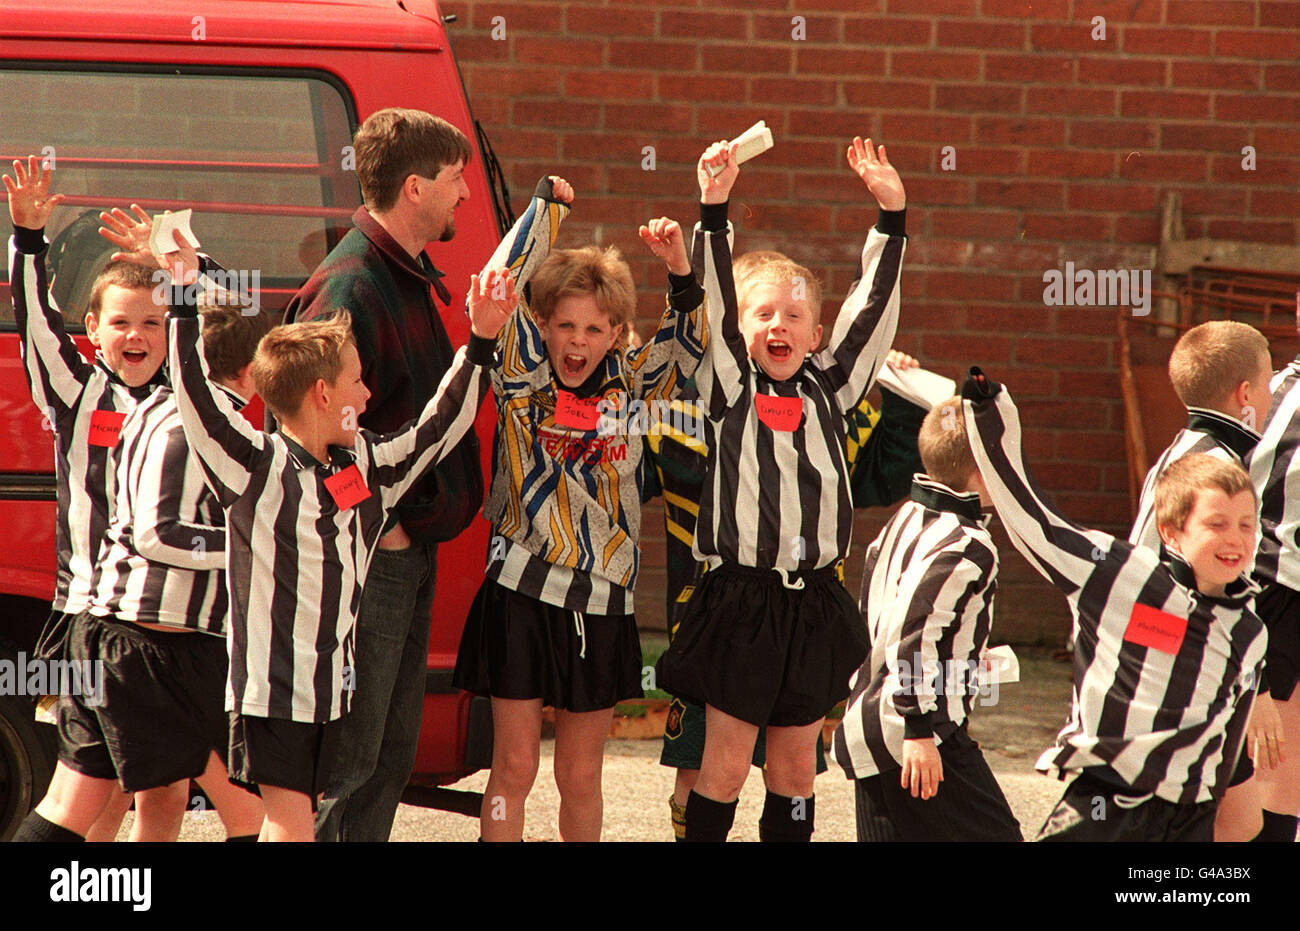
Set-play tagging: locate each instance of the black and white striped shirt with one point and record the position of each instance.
(779, 499)
(1208, 432)
(1275, 472)
(164, 556)
(297, 558)
(74, 395)
(1164, 676)
(927, 597)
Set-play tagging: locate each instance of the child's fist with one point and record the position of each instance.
(665, 239)
(716, 190)
(881, 178)
(562, 190)
(491, 302)
(30, 202)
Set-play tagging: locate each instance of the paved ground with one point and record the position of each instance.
(1013, 730)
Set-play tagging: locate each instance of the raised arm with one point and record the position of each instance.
(167, 486)
(662, 366)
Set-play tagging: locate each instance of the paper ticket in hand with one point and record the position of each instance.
(161, 241)
(754, 141)
(999, 666)
(919, 386)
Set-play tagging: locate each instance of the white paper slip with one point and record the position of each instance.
(161, 241)
(754, 141)
(1000, 666)
(920, 386)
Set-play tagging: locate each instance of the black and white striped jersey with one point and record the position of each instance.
(927, 598)
(83, 404)
(301, 533)
(1275, 472)
(164, 556)
(1164, 676)
(1208, 432)
(777, 492)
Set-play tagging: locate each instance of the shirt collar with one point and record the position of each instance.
(140, 392)
(939, 497)
(383, 241)
(340, 456)
(1228, 432)
(1239, 591)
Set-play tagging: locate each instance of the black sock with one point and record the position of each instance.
(242, 839)
(708, 821)
(1279, 829)
(786, 820)
(36, 830)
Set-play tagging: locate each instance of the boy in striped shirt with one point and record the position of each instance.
(304, 511)
(927, 598)
(1167, 649)
(770, 637)
(1220, 370)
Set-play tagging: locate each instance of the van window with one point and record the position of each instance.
(261, 159)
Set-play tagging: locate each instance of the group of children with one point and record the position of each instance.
(766, 640)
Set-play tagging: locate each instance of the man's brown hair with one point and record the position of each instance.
(768, 267)
(232, 328)
(592, 270)
(395, 143)
(944, 447)
(1178, 485)
(291, 357)
(122, 275)
(1209, 361)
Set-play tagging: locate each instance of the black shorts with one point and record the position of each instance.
(765, 653)
(52, 644)
(1096, 811)
(282, 754)
(969, 805)
(156, 714)
(684, 739)
(1279, 608)
(518, 647)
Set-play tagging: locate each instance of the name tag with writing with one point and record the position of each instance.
(347, 487)
(1151, 627)
(779, 413)
(575, 412)
(106, 427)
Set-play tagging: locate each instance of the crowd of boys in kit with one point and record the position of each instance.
(1178, 683)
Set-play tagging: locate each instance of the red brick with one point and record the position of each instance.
(1087, 384)
(839, 61)
(1124, 70)
(840, 6)
(1282, 77)
(1217, 74)
(1118, 12)
(1064, 352)
(774, 59)
(1198, 199)
(1015, 254)
(836, 124)
(1165, 103)
(1210, 12)
(1279, 13)
(971, 286)
(890, 93)
(781, 26)
(717, 122)
(792, 153)
(970, 98)
(559, 51)
(664, 56)
(674, 87)
(946, 66)
(1256, 45)
(628, 178)
(1025, 9)
(659, 117)
(1158, 40)
(523, 143)
(890, 31)
(940, 253)
(802, 218)
(960, 33)
(1276, 139)
(1024, 68)
(1003, 130)
(584, 177)
(1106, 134)
(1262, 108)
(1072, 227)
(1165, 166)
(983, 350)
(986, 160)
(1075, 37)
(974, 224)
(1137, 229)
(609, 84)
(679, 24)
(783, 91)
(1214, 137)
(1068, 164)
(1069, 99)
(481, 48)
(942, 190)
(1275, 203)
(939, 7)
(513, 81)
(1282, 233)
(587, 145)
(559, 113)
(1073, 413)
(1111, 196)
(1093, 446)
(519, 17)
(1009, 318)
(950, 130)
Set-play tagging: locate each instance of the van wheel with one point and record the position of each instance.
(28, 752)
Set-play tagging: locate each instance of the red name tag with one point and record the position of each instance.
(347, 487)
(106, 427)
(779, 413)
(575, 412)
(1150, 627)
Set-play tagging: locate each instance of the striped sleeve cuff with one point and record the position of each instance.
(917, 726)
(713, 217)
(29, 241)
(892, 222)
(481, 350)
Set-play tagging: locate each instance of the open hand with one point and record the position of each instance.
(717, 190)
(129, 233)
(665, 239)
(491, 302)
(922, 768)
(881, 178)
(901, 360)
(30, 201)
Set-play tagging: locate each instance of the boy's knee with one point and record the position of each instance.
(577, 778)
(516, 767)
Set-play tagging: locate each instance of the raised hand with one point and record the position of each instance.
(563, 190)
(717, 190)
(881, 178)
(130, 234)
(901, 360)
(30, 201)
(491, 302)
(665, 239)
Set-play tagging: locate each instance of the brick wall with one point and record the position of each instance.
(1064, 144)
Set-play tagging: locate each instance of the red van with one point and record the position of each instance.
(245, 111)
